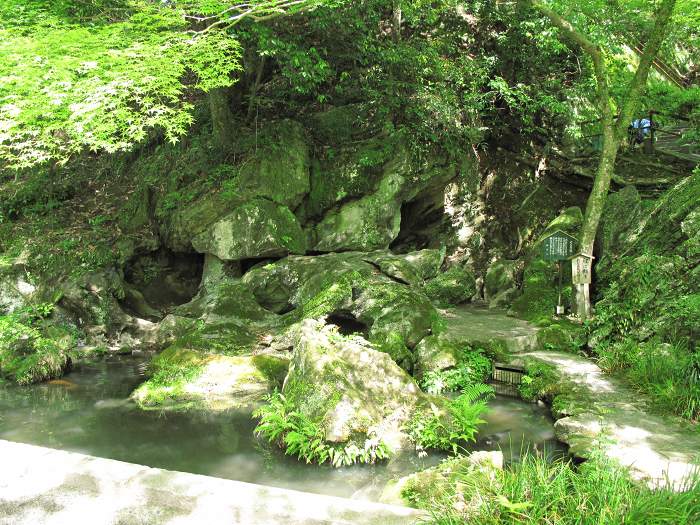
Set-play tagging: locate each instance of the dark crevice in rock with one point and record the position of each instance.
(347, 323)
(254, 262)
(422, 219)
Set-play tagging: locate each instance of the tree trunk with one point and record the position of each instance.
(613, 133)
(396, 20)
(222, 119)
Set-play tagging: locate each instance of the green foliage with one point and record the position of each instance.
(31, 351)
(473, 368)
(539, 382)
(669, 373)
(169, 372)
(432, 429)
(535, 491)
(299, 436)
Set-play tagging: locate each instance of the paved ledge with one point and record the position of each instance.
(41, 486)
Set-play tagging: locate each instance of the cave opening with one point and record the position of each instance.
(347, 323)
(157, 282)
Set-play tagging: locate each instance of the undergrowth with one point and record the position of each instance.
(669, 373)
(299, 436)
(536, 491)
(473, 368)
(30, 350)
(433, 429)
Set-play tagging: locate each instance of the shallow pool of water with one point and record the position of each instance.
(88, 411)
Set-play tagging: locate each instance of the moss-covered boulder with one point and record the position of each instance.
(366, 224)
(455, 286)
(351, 391)
(423, 488)
(258, 228)
(185, 378)
(278, 168)
(411, 268)
(541, 278)
(501, 282)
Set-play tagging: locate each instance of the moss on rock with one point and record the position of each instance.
(455, 286)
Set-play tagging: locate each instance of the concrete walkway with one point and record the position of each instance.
(594, 410)
(603, 412)
(41, 486)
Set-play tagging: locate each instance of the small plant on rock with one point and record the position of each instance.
(449, 431)
(299, 436)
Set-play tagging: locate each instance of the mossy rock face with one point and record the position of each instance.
(621, 215)
(92, 300)
(15, 290)
(343, 174)
(366, 224)
(278, 169)
(258, 228)
(411, 268)
(455, 286)
(392, 308)
(185, 378)
(348, 389)
(501, 282)
(541, 278)
(656, 275)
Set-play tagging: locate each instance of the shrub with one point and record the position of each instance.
(436, 430)
(299, 436)
(473, 368)
(30, 352)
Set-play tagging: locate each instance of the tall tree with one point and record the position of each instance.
(614, 131)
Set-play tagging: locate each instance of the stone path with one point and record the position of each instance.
(604, 411)
(41, 486)
(601, 411)
(483, 324)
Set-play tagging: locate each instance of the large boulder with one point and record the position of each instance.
(258, 228)
(185, 378)
(455, 286)
(350, 390)
(278, 168)
(501, 283)
(369, 223)
(395, 316)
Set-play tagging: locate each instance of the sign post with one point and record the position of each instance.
(581, 266)
(559, 246)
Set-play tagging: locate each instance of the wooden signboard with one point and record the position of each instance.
(581, 268)
(558, 246)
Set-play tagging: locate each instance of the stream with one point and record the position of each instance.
(88, 411)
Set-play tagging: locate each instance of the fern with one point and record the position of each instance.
(299, 436)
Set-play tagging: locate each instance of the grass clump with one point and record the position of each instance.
(434, 429)
(31, 350)
(299, 436)
(535, 491)
(170, 371)
(668, 373)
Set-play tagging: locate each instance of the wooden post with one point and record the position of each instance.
(581, 268)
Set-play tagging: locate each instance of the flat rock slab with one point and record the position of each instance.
(44, 486)
(607, 414)
(484, 324)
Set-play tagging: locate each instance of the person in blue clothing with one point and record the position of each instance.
(639, 130)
